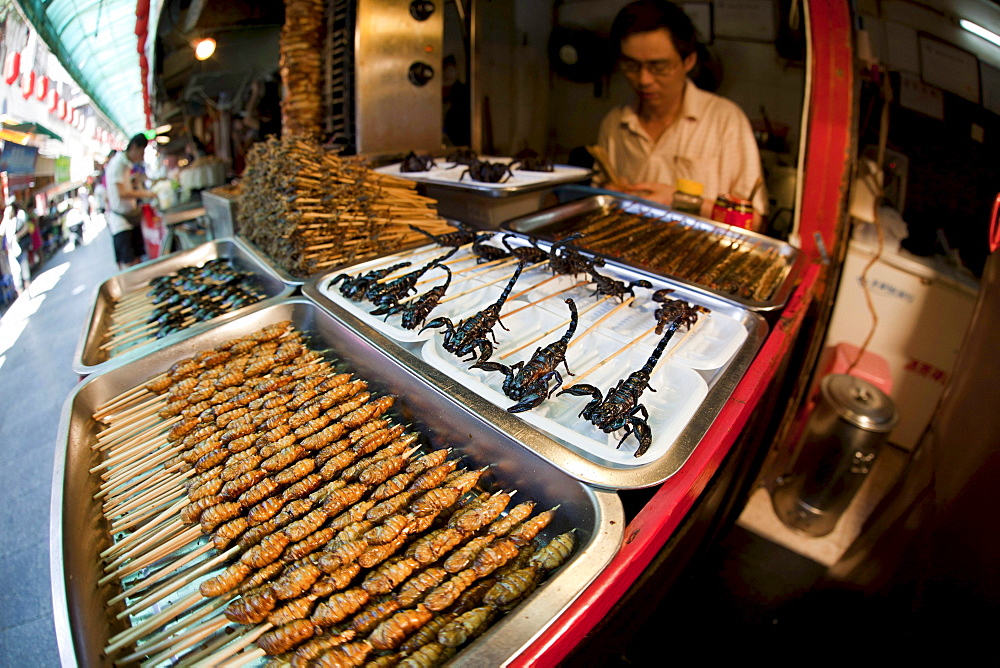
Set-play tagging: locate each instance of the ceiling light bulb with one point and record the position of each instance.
(204, 48)
(162, 139)
(977, 29)
(164, 129)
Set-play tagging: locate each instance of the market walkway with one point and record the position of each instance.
(38, 336)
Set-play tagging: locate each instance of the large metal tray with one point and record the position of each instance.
(450, 178)
(693, 381)
(88, 358)
(78, 532)
(562, 220)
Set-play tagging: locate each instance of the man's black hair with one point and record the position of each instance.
(650, 15)
(137, 140)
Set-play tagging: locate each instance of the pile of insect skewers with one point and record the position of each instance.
(529, 382)
(259, 494)
(178, 300)
(726, 261)
(309, 209)
(301, 59)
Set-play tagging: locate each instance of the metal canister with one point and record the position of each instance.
(837, 450)
(721, 208)
(740, 213)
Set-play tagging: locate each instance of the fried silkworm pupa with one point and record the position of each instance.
(429, 655)
(303, 487)
(225, 581)
(467, 481)
(388, 530)
(515, 516)
(428, 632)
(284, 638)
(373, 409)
(210, 487)
(262, 576)
(512, 587)
(377, 439)
(298, 608)
(369, 617)
(339, 606)
(308, 524)
(428, 461)
(555, 552)
(338, 580)
(391, 633)
(217, 514)
(433, 546)
(385, 660)
(355, 513)
(463, 557)
(435, 500)
(466, 626)
(258, 492)
(341, 499)
(473, 596)
(268, 450)
(493, 556)
(252, 607)
(183, 428)
(265, 510)
(308, 545)
(525, 532)
(318, 644)
(295, 581)
(227, 532)
(348, 654)
(266, 551)
(393, 486)
(192, 511)
(376, 554)
(367, 429)
(448, 591)
(160, 385)
(389, 575)
(433, 477)
(236, 469)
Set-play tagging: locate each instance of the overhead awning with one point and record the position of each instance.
(31, 129)
(99, 44)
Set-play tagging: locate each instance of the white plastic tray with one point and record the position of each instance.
(442, 174)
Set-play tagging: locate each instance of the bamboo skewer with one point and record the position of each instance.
(610, 357)
(505, 277)
(539, 301)
(165, 634)
(175, 643)
(599, 321)
(132, 634)
(554, 329)
(217, 658)
(169, 587)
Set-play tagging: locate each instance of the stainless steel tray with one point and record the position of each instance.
(562, 220)
(78, 532)
(88, 358)
(450, 178)
(691, 387)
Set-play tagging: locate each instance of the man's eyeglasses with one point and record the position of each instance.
(655, 67)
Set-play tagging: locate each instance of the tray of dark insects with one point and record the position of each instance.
(622, 371)
(746, 268)
(156, 302)
(280, 487)
(490, 176)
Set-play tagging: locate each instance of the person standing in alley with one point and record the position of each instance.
(123, 206)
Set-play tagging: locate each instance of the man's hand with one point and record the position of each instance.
(655, 192)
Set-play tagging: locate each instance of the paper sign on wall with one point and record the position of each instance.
(949, 68)
(916, 95)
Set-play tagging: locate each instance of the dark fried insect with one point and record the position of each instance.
(488, 172)
(252, 607)
(605, 285)
(555, 552)
(367, 619)
(466, 626)
(416, 163)
(529, 254)
(393, 631)
(339, 606)
(420, 583)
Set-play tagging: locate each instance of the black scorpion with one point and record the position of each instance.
(472, 332)
(488, 172)
(530, 254)
(416, 311)
(528, 383)
(566, 260)
(620, 408)
(389, 293)
(674, 309)
(605, 285)
(355, 288)
(461, 236)
(484, 252)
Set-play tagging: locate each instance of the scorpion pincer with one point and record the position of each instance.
(528, 383)
(529, 254)
(415, 312)
(355, 288)
(472, 332)
(620, 408)
(569, 261)
(485, 252)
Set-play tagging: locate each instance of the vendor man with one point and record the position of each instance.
(123, 215)
(673, 129)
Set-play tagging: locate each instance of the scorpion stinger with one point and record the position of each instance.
(528, 383)
(620, 409)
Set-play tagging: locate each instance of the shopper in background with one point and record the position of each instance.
(11, 245)
(674, 130)
(124, 214)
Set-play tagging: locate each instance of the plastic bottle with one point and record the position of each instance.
(687, 196)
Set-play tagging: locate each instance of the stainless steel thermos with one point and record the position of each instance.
(838, 447)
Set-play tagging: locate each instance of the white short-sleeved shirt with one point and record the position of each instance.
(119, 170)
(711, 142)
